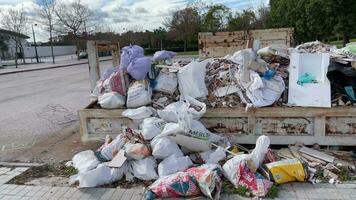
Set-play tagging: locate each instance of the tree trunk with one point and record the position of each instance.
(16, 46)
(185, 45)
(345, 38)
(161, 44)
(50, 40)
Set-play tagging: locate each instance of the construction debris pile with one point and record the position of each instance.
(167, 144)
(322, 165)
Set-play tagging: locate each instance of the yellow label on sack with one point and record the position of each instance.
(287, 171)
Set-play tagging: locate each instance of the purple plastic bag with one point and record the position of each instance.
(139, 68)
(129, 54)
(163, 55)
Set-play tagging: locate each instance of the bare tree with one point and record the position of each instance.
(73, 17)
(15, 20)
(47, 16)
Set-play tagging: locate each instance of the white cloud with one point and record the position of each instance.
(122, 15)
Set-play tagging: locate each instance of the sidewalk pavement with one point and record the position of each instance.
(291, 191)
(42, 66)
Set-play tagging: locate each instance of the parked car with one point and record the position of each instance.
(83, 54)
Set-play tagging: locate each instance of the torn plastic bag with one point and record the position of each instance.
(144, 169)
(180, 184)
(173, 164)
(111, 100)
(163, 55)
(137, 151)
(236, 170)
(138, 113)
(285, 171)
(209, 179)
(101, 175)
(191, 79)
(259, 91)
(119, 82)
(166, 82)
(151, 127)
(187, 105)
(85, 161)
(139, 94)
(130, 53)
(162, 147)
(139, 68)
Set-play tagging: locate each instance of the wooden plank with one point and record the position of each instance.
(93, 61)
(317, 154)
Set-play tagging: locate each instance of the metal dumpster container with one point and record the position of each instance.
(284, 125)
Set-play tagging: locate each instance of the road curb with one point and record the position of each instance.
(52, 67)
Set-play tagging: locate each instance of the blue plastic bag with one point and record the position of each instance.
(139, 68)
(129, 54)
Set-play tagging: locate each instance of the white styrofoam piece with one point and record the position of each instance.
(309, 94)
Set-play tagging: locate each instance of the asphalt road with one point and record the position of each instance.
(36, 104)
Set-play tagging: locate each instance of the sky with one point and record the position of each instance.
(122, 15)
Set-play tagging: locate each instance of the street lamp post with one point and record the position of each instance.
(34, 41)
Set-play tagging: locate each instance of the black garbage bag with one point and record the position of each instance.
(342, 79)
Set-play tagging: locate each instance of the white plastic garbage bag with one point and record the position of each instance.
(191, 79)
(259, 152)
(101, 175)
(138, 113)
(213, 156)
(192, 128)
(166, 82)
(139, 94)
(162, 147)
(144, 169)
(188, 104)
(111, 100)
(151, 127)
(85, 161)
(174, 164)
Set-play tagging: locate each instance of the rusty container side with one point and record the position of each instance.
(221, 43)
(325, 126)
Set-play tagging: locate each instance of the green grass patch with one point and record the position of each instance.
(344, 175)
(229, 188)
(69, 171)
(338, 43)
(272, 192)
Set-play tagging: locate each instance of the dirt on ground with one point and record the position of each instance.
(57, 148)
